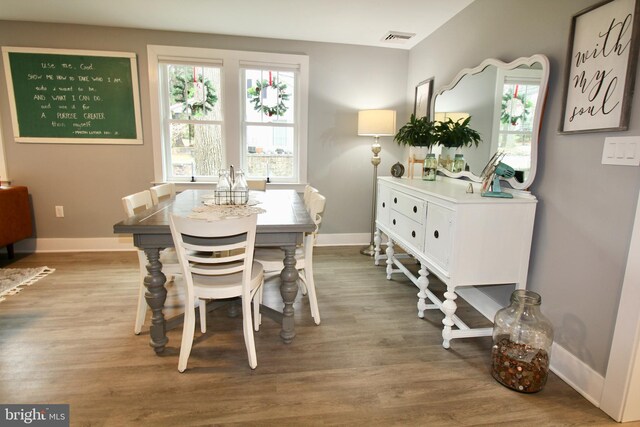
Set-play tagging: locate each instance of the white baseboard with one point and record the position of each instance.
(90, 244)
(581, 377)
(343, 239)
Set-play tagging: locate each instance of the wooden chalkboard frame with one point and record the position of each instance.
(132, 139)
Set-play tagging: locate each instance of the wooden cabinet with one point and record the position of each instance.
(462, 238)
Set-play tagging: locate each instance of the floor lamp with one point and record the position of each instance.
(375, 123)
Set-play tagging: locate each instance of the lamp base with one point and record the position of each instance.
(368, 250)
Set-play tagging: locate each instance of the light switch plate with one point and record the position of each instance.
(622, 151)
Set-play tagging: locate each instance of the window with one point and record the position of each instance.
(215, 108)
(516, 99)
(269, 138)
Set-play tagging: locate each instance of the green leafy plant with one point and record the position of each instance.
(418, 132)
(457, 134)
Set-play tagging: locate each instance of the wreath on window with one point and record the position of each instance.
(515, 107)
(262, 102)
(196, 97)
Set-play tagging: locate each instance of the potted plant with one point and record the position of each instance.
(417, 132)
(455, 135)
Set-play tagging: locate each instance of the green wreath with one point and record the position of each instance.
(255, 93)
(514, 108)
(194, 100)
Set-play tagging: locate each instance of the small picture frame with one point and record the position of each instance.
(422, 103)
(601, 63)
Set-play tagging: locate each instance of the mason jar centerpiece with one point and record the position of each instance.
(455, 135)
(418, 134)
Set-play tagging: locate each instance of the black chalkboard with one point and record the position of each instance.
(69, 96)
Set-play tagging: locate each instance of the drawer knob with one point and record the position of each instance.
(395, 200)
(415, 209)
(413, 234)
(384, 205)
(394, 222)
(436, 234)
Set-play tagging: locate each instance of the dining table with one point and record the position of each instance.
(283, 223)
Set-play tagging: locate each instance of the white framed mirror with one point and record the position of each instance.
(505, 102)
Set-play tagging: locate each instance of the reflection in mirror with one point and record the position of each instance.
(505, 102)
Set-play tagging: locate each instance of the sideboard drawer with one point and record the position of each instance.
(407, 229)
(411, 207)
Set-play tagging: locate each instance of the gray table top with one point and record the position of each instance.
(285, 214)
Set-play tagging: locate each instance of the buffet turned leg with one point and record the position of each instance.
(389, 258)
(376, 241)
(449, 308)
(423, 284)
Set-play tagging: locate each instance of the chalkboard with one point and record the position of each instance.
(73, 96)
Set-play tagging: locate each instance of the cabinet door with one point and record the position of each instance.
(382, 208)
(439, 235)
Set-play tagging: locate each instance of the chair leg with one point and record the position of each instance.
(257, 317)
(311, 287)
(203, 315)
(248, 332)
(187, 336)
(141, 312)
(302, 283)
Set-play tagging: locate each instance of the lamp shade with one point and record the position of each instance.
(376, 123)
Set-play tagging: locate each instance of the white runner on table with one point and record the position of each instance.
(212, 212)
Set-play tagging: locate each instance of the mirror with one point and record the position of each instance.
(505, 102)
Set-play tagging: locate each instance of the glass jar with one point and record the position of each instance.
(223, 188)
(430, 167)
(240, 189)
(458, 163)
(522, 338)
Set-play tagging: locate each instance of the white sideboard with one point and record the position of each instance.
(462, 238)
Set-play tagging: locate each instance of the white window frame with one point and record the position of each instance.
(232, 89)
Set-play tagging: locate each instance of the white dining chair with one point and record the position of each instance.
(217, 263)
(162, 192)
(308, 190)
(134, 204)
(272, 258)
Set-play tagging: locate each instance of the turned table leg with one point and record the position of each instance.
(156, 296)
(288, 290)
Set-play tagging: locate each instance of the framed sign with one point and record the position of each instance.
(73, 96)
(601, 66)
(422, 103)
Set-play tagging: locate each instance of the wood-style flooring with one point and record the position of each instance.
(372, 362)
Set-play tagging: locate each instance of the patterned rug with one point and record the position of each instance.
(13, 279)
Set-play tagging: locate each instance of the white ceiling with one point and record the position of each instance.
(362, 22)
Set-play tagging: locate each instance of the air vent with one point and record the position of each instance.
(397, 37)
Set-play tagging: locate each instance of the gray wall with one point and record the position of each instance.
(89, 180)
(586, 209)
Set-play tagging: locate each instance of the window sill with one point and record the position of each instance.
(181, 186)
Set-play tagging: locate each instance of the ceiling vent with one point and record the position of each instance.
(397, 37)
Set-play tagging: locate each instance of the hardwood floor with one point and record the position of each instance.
(69, 339)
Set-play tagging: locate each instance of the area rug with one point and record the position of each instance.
(13, 279)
